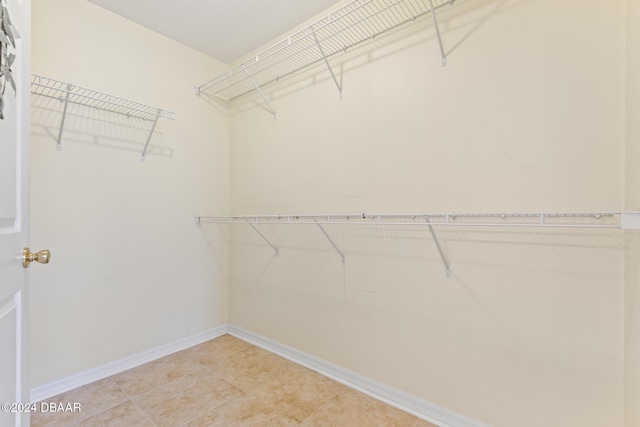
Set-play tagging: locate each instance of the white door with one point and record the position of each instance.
(14, 225)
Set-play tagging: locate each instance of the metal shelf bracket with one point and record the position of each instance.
(275, 249)
(64, 115)
(264, 98)
(326, 61)
(153, 127)
(443, 55)
(447, 269)
(330, 241)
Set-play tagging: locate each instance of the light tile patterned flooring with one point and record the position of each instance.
(223, 382)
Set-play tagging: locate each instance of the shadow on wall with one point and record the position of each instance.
(220, 104)
(399, 269)
(525, 308)
(217, 239)
(527, 289)
(94, 127)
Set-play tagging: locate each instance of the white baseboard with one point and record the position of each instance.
(94, 374)
(419, 407)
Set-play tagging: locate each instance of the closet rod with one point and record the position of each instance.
(605, 220)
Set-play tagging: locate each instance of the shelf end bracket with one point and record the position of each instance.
(630, 220)
(447, 269)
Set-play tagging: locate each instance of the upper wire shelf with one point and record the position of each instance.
(68, 93)
(45, 86)
(354, 23)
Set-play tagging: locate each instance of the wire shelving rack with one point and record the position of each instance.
(573, 220)
(352, 24)
(68, 93)
(619, 220)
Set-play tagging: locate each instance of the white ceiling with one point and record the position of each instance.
(223, 29)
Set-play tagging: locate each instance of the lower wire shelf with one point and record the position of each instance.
(581, 220)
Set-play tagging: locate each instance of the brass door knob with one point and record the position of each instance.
(28, 257)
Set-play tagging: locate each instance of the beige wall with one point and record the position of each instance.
(527, 116)
(536, 327)
(129, 270)
(632, 260)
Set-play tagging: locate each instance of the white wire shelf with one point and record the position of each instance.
(584, 220)
(68, 93)
(619, 220)
(354, 23)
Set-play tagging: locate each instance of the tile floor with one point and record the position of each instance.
(222, 382)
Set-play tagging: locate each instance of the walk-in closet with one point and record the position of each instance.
(361, 212)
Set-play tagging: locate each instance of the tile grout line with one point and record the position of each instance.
(223, 378)
(325, 403)
(221, 404)
(89, 414)
(252, 346)
(129, 399)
